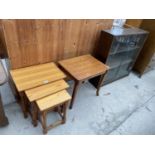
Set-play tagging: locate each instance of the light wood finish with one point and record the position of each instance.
(45, 90)
(63, 110)
(31, 42)
(33, 76)
(134, 22)
(53, 100)
(83, 67)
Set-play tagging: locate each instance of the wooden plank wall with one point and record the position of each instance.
(134, 22)
(148, 50)
(31, 42)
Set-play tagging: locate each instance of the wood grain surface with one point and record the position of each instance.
(45, 90)
(134, 22)
(83, 67)
(148, 50)
(33, 76)
(31, 42)
(53, 100)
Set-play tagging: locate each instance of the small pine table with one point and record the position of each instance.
(83, 68)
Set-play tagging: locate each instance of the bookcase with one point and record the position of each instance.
(119, 48)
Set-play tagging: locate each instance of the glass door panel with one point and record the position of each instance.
(124, 70)
(125, 43)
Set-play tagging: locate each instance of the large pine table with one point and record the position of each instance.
(83, 68)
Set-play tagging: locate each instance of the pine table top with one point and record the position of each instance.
(83, 67)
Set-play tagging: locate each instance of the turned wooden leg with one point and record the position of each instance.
(99, 84)
(60, 109)
(23, 104)
(76, 86)
(44, 122)
(64, 112)
(34, 114)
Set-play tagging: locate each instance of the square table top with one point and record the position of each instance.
(83, 67)
(37, 75)
(46, 90)
(57, 99)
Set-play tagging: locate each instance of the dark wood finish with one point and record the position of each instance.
(75, 89)
(82, 68)
(100, 83)
(13, 88)
(64, 112)
(34, 114)
(118, 48)
(147, 52)
(31, 42)
(23, 104)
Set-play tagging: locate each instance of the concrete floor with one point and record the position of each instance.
(123, 107)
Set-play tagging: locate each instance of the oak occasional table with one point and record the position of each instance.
(34, 76)
(82, 68)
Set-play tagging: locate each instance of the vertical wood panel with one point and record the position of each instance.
(148, 50)
(32, 42)
(134, 22)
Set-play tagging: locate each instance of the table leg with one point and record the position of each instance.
(44, 122)
(64, 111)
(34, 114)
(23, 104)
(76, 86)
(99, 84)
